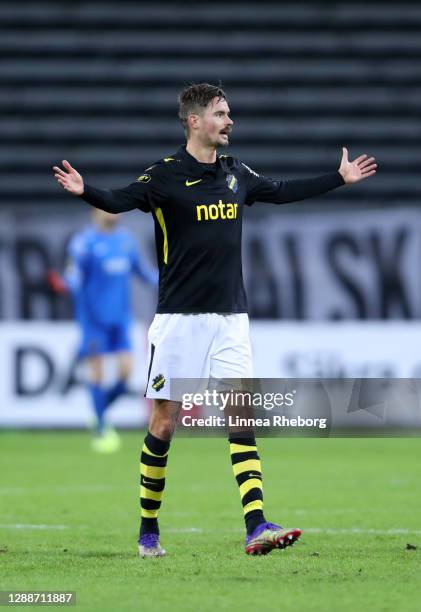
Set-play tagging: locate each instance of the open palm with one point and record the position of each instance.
(361, 168)
(70, 180)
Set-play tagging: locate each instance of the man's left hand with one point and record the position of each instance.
(357, 170)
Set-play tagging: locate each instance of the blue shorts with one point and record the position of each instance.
(100, 339)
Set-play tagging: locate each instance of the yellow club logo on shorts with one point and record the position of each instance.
(158, 382)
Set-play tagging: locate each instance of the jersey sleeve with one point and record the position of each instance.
(145, 272)
(263, 189)
(77, 257)
(140, 194)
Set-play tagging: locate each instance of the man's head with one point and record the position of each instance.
(204, 113)
(104, 220)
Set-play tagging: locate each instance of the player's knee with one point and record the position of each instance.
(95, 369)
(164, 428)
(96, 378)
(125, 372)
(162, 423)
(125, 366)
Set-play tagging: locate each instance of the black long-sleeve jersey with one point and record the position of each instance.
(198, 210)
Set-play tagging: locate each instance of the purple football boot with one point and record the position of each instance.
(268, 536)
(149, 546)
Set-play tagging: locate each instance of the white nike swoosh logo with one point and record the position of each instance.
(146, 482)
(190, 183)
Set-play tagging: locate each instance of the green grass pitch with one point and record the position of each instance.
(69, 520)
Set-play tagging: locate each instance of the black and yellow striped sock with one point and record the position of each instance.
(248, 473)
(153, 462)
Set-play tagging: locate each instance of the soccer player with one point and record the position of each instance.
(101, 260)
(201, 330)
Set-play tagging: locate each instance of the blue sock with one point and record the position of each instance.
(120, 388)
(99, 400)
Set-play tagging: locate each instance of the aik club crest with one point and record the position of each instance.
(158, 382)
(232, 183)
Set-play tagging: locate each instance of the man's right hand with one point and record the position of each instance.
(70, 180)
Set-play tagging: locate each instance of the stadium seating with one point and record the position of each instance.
(97, 83)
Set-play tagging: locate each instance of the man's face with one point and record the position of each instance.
(213, 126)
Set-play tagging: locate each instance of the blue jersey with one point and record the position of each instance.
(99, 272)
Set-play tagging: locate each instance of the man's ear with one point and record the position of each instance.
(193, 121)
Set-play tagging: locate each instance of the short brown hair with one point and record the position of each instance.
(196, 97)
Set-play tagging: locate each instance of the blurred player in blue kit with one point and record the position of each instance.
(101, 261)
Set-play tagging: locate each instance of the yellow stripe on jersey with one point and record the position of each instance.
(161, 222)
(244, 466)
(167, 159)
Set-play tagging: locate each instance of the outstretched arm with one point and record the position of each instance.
(260, 188)
(110, 200)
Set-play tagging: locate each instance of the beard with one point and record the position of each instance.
(223, 139)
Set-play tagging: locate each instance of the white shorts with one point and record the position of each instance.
(197, 346)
